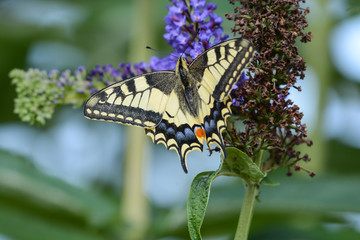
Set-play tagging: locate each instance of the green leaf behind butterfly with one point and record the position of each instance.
(240, 164)
(198, 201)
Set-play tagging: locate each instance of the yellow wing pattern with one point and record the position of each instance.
(180, 108)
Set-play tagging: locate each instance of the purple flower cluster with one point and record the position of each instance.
(97, 78)
(190, 30)
(108, 74)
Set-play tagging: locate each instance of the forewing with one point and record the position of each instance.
(139, 101)
(220, 67)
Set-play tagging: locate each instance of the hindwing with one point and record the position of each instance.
(183, 138)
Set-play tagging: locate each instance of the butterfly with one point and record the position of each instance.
(179, 108)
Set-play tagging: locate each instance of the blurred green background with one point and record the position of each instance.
(67, 180)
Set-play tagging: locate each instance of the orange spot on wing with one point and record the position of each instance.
(200, 133)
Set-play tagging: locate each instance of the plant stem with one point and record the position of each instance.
(135, 212)
(247, 208)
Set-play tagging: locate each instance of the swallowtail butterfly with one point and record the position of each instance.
(179, 108)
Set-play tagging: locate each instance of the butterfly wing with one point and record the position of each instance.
(153, 101)
(220, 67)
(139, 101)
(217, 70)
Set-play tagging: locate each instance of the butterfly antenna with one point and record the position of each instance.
(155, 50)
(161, 52)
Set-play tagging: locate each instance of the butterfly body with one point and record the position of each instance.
(180, 108)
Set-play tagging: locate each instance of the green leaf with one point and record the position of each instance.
(197, 202)
(239, 164)
(268, 182)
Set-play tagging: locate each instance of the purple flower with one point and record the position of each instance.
(172, 33)
(79, 70)
(96, 72)
(115, 72)
(197, 3)
(205, 35)
(127, 70)
(210, 7)
(199, 16)
(175, 19)
(107, 68)
(179, 7)
(219, 37)
(141, 68)
(183, 38)
(53, 73)
(166, 63)
(89, 85)
(216, 19)
(108, 74)
(65, 77)
(197, 50)
(237, 99)
(93, 90)
(236, 102)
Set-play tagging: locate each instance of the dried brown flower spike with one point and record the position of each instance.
(272, 121)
